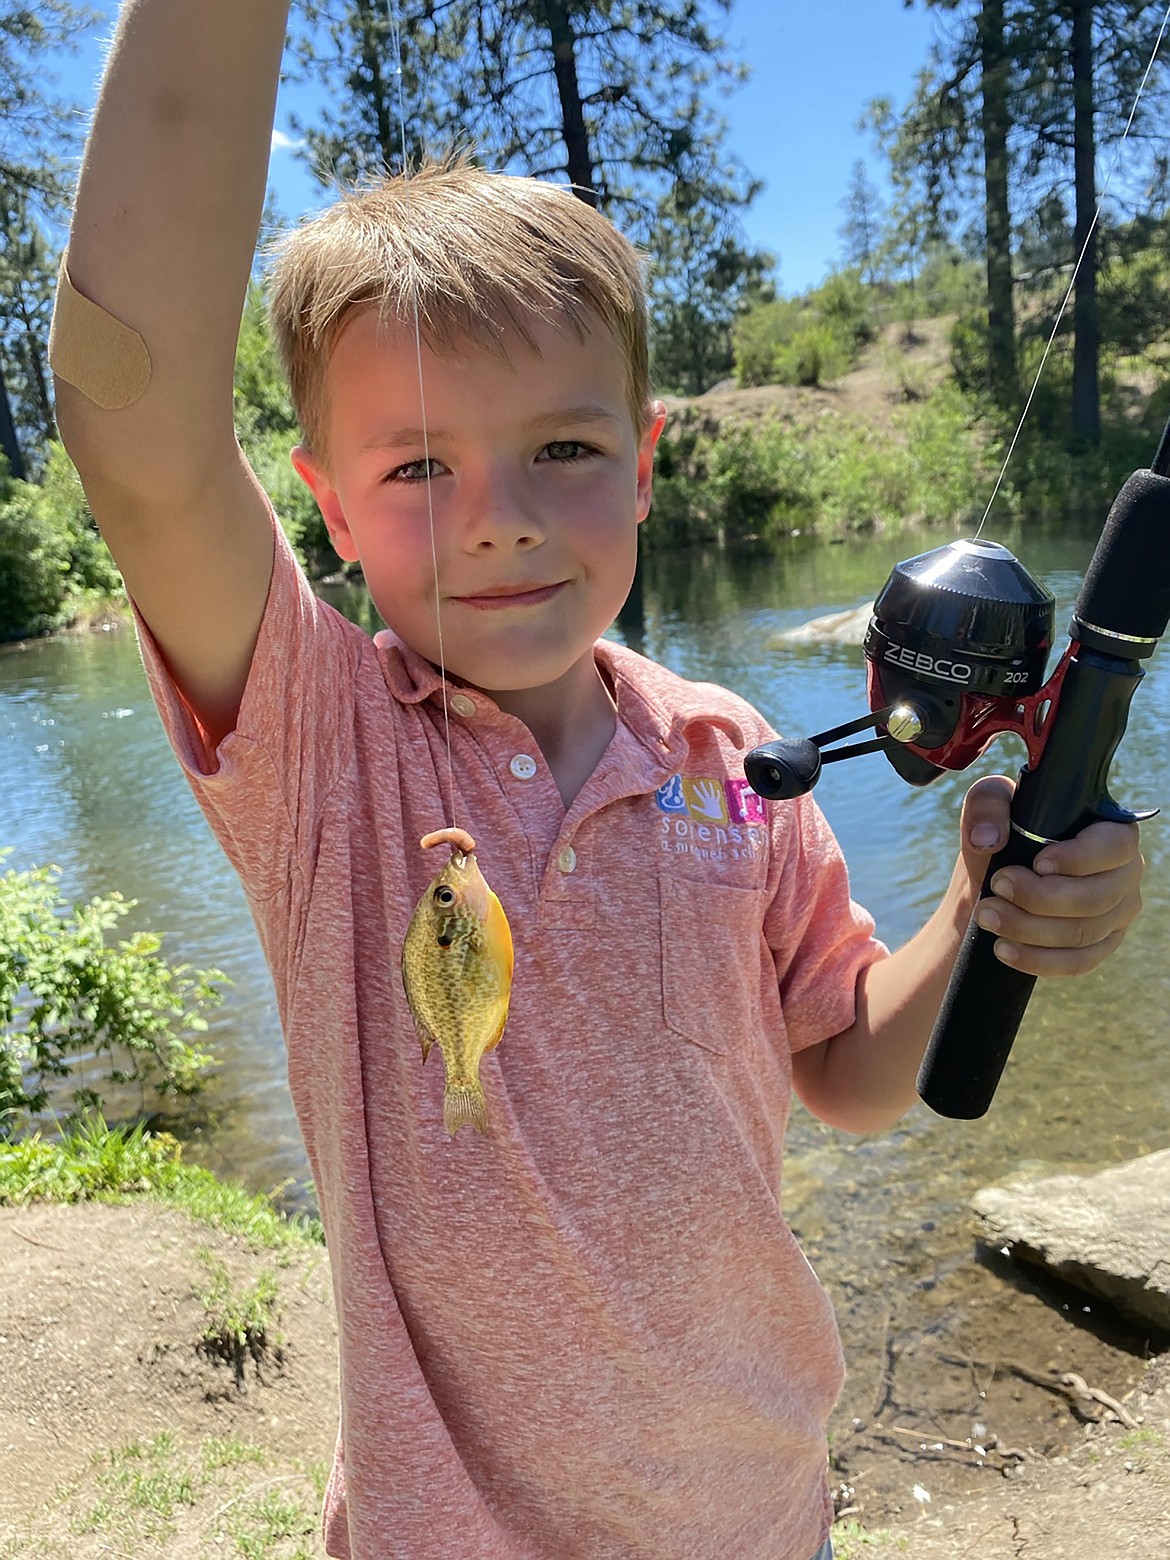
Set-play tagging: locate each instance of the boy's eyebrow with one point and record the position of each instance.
(413, 438)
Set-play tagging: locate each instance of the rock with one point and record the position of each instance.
(1107, 1233)
(840, 628)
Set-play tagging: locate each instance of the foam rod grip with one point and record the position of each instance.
(980, 1014)
(1127, 585)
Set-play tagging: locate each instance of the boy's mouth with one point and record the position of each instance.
(496, 597)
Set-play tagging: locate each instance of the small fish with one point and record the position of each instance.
(457, 975)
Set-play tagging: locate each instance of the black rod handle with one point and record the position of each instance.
(1066, 791)
(980, 1014)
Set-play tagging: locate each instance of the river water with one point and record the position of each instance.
(87, 782)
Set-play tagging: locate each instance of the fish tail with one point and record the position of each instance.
(464, 1105)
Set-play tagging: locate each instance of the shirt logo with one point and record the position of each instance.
(744, 804)
(670, 796)
(712, 818)
(711, 800)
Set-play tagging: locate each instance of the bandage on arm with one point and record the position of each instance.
(95, 353)
(160, 250)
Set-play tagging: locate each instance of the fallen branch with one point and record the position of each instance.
(1084, 1400)
(981, 1450)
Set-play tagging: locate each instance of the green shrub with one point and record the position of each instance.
(68, 997)
(758, 334)
(803, 341)
(296, 508)
(34, 567)
(53, 562)
(834, 476)
(819, 352)
(267, 428)
(94, 1161)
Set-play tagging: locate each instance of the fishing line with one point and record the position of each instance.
(1076, 268)
(396, 47)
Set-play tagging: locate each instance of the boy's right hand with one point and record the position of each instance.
(1067, 912)
(167, 212)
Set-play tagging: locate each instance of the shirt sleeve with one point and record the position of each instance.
(820, 938)
(263, 787)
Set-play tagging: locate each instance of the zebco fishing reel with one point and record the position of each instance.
(956, 653)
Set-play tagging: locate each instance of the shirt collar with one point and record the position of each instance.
(655, 705)
(410, 677)
(658, 706)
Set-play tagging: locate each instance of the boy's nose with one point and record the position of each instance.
(500, 513)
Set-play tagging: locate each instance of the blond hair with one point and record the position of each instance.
(465, 252)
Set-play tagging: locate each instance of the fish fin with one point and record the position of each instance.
(464, 1105)
(499, 1034)
(498, 934)
(425, 1037)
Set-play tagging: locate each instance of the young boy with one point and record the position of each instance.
(588, 1332)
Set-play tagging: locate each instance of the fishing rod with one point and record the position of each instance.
(956, 651)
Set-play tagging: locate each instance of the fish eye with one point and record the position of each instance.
(444, 895)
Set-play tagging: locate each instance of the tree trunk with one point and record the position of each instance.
(1086, 390)
(579, 154)
(9, 443)
(1001, 325)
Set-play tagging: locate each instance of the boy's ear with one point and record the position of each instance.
(328, 502)
(651, 434)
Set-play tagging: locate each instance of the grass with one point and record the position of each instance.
(1146, 1439)
(147, 1492)
(118, 1164)
(143, 1479)
(239, 1322)
(851, 1540)
(220, 1496)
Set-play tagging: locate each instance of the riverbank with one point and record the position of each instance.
(168, 1387)
(891, 446)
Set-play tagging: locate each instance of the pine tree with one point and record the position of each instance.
(1025, 95)
(37, 134)
(611, 98)
(861, 231)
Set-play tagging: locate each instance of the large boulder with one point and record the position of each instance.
(1108, 1233)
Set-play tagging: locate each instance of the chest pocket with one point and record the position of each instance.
(712, 944)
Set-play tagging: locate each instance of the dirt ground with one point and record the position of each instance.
(119, 1436)
(899, 364)
(1008, 1419)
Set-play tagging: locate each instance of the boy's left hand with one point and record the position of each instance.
(1069, 911)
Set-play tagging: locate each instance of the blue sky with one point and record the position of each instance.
(815, 65)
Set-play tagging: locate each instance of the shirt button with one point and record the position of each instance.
(567, 860)
(462, 705)
(523, 767)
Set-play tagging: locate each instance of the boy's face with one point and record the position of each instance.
(538, 482)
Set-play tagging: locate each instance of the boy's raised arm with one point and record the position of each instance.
(164, 230)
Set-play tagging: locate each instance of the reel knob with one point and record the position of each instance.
(904, 723)
(785, 769)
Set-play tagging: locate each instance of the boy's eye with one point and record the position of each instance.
(414, 471)
(566, 449)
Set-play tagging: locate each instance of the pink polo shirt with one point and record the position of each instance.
(591, 1332)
